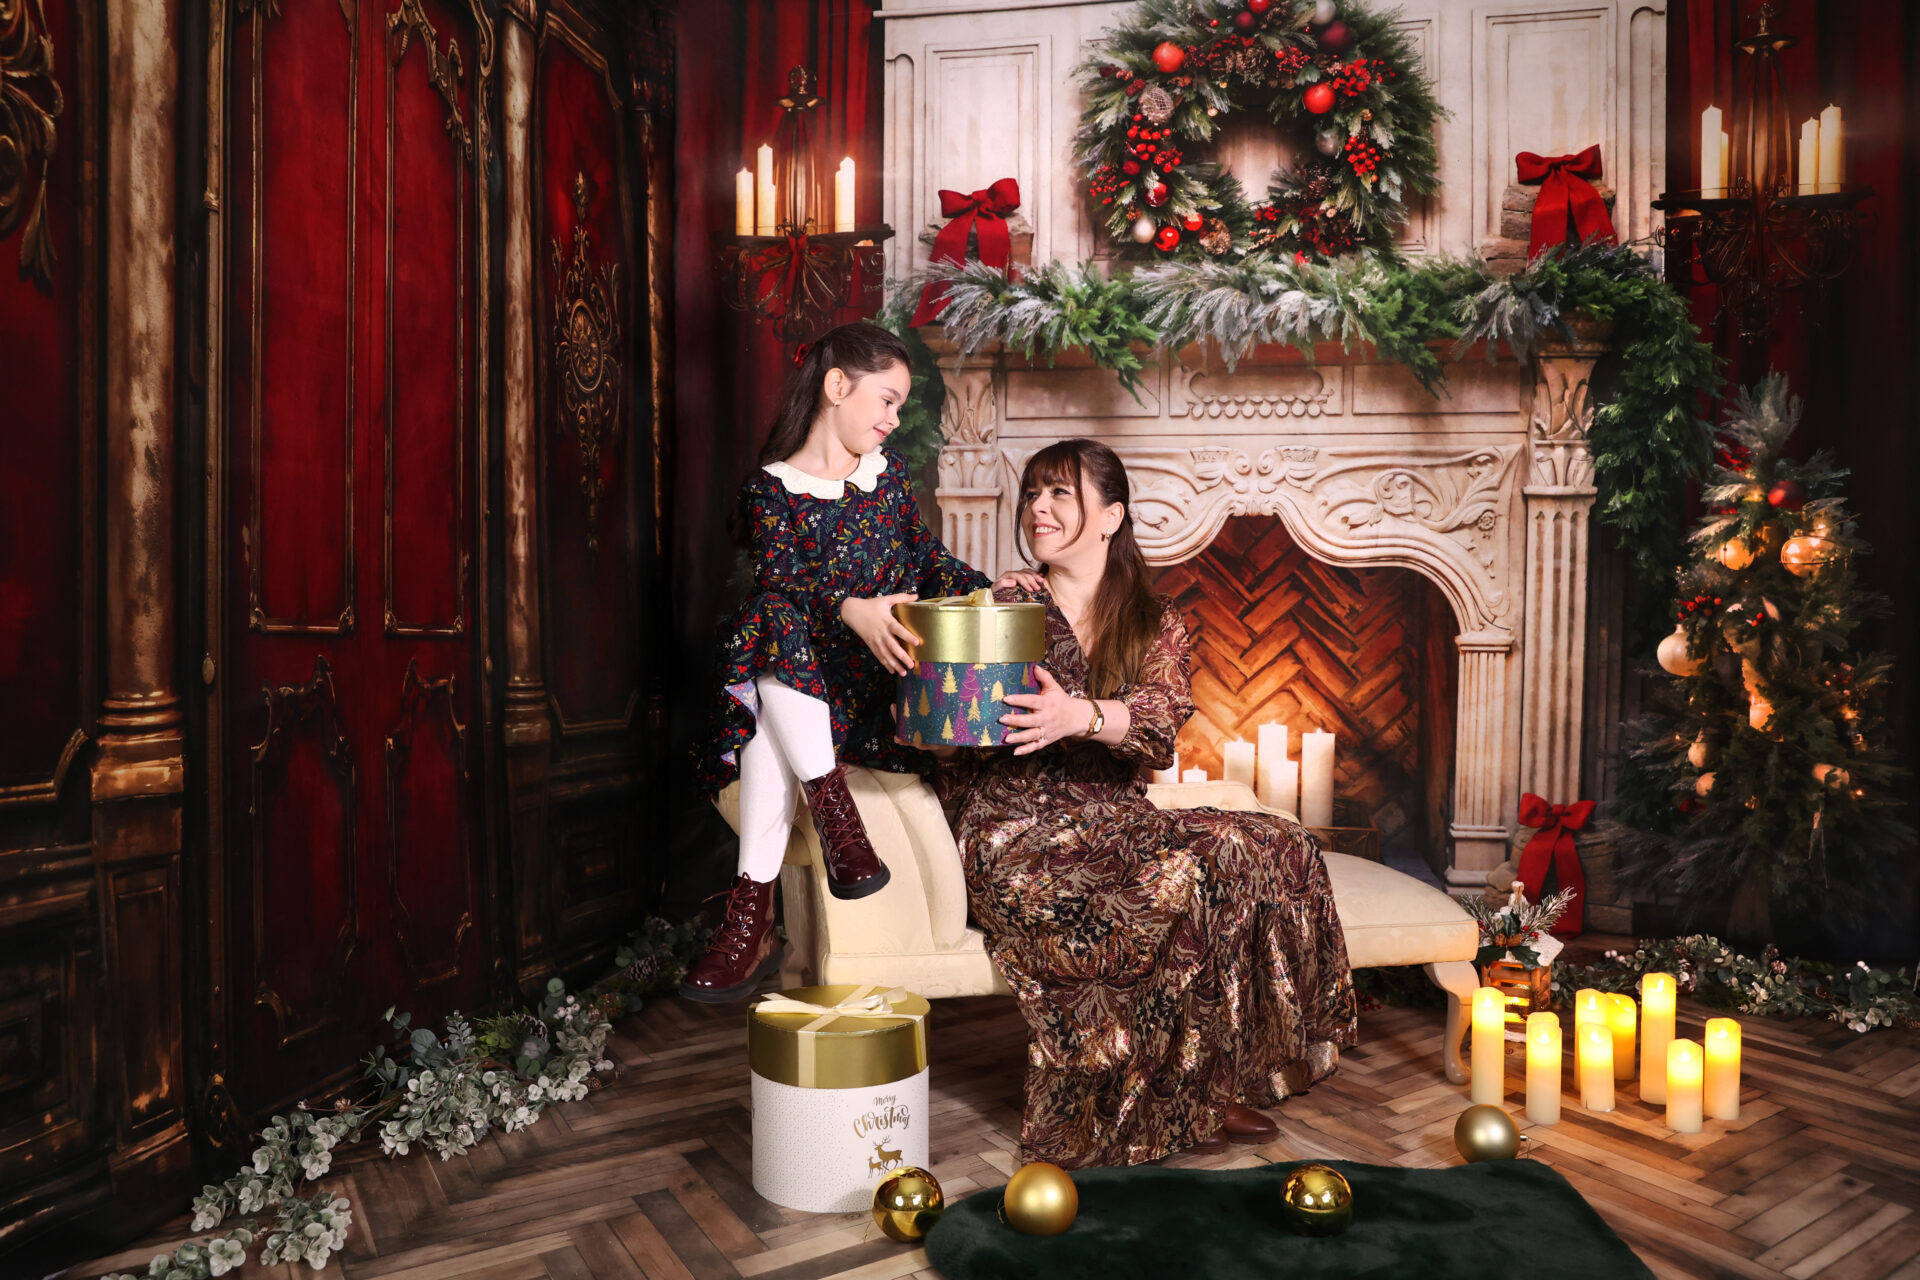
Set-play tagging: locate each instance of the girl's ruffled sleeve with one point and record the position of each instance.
(1160, 701)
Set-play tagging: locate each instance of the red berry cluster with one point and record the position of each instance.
(1143, 141)
(1291, 61)
(1362, 155)
(1695, 605)
(1357, 77)
(1106, 183)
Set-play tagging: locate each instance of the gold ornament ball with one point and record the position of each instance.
(1736, 554)
(1315, 1200)
(1672, 655)
(1703, 785)
(1700, 754)
(907, 1204)
(1832, 776)
(1040, 1200)
(1486, 1132)
(1806, 554)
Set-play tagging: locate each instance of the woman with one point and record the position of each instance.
(1171, 965)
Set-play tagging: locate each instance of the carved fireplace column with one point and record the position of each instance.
(1480, 765)
(1559, 497)
(968, 491)
(139, 775)
(528, 730)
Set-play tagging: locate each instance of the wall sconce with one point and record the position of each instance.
(787, 263)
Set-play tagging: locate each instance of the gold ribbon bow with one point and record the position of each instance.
(869, 1001)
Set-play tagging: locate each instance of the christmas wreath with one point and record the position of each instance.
(1341, 79)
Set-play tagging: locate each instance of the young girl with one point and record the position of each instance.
(835, 539)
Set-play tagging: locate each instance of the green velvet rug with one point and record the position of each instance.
(1470, 1222)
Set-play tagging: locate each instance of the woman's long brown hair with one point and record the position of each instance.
(1125, 615)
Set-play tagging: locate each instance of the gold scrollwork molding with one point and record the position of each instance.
(586, 344)
(30, 99)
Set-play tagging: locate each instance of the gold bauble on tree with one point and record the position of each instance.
(1700, 754)
(1316, 1200)
(907, 1204)
(1486, 1132)
(1040, 1200)
(1735, 554)
(1703, 785)
(1807, 554)
(1672, 655)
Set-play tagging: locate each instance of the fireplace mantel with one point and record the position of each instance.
(1485, 490)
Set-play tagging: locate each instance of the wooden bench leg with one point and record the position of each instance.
(1458, 979)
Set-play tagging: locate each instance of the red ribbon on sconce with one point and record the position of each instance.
(1552, 845)
(983, 211)
(782, 270)
(1564, 193)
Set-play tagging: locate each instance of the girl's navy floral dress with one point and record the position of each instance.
(810, 552)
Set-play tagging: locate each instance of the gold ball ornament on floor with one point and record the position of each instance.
(1040, 1200)
(907, 1204)
(1316, 1200)
(1486, 1132)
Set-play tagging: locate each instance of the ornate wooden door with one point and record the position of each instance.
(352, 432)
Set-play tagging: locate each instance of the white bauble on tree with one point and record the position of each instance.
(1700, 754)
(1672, 655)
(1143, 229)
(1703, 785)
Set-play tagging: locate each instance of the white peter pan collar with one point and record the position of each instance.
(865, 477)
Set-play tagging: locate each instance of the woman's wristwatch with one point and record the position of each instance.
(1098, 722)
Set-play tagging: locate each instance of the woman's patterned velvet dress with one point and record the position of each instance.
(1167, 962)
(809, 554)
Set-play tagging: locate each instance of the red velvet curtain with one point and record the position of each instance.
(1853, 356)
(732, 60)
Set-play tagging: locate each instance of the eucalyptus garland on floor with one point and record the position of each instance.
(1648, 436)
(444, 1093)
(1859, 997)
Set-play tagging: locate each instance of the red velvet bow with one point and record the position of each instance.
(1553, 845)
(983, 211)
(1564, 193)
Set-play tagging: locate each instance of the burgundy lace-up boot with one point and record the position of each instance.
(743, 950)
(854, 870)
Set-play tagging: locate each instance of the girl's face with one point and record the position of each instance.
(1053, 523)
(864, 411)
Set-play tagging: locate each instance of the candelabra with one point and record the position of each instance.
(1760, 234)
(783, 263)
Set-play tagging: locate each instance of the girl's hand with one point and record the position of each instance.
(1025, 579)
(1052, 714)
(873, 621)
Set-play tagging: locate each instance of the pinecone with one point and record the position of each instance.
(1216, 239)
(1156, 104)
(1250, 63)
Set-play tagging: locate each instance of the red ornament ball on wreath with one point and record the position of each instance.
(1259, 6)
(1243, 20)
(1168, 57)
(1336, 37)
(1787, 495)
(1168, 240)
(1193, 222)
(1157, 194)
(1318, 98)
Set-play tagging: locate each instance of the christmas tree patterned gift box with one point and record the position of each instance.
(973, 652)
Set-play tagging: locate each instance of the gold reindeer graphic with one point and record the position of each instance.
(886, 1159)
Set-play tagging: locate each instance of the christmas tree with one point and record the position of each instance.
(1758, 771)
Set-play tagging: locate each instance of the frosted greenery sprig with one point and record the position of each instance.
(1509, 930)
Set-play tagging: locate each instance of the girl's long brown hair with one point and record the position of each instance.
(1125, 615)
(856, 349)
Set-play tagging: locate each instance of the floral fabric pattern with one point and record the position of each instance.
(1168, 962)
(809, 554)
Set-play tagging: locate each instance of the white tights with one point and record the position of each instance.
(792, 743)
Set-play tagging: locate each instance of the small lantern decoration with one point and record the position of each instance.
(1512, 938)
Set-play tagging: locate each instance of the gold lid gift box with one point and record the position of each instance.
(839, 1082)
(973, 651)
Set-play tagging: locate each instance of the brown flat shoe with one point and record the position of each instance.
(1245, 1125)
(1209, 1145)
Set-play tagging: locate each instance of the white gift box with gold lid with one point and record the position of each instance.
(839, 1076)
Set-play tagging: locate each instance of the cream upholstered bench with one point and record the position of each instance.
(914, 932)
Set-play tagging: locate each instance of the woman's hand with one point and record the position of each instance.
(1025, 579)
(1050, 715)
(873, 621)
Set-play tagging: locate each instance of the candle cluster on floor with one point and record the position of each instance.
(1303, 787)
(1696, 1080)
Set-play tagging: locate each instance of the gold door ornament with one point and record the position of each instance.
(29, 100)
(586, 342)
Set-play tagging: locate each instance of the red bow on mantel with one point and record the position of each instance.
(1564, 193)
(1552, 846)
(983, 211)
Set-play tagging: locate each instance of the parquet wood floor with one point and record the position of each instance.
(652, 1176)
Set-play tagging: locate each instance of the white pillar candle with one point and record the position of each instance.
(1656, 1033)
(1195, 774)
(1316, 778)
(1622, 1014)
(1710, 135)
(1594, 1054)
(1832, 173)
(1489, 1062)
(1169, 774)
(1286, 793)
(1590, 1005)
(1721, 1087)
(843, 196)
(1809, 179)
(1683, 1086)
(764, 217)
(743, 203)
(1236, 761)
(1272, 740)
(1726, 154)
(1543, 1068)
